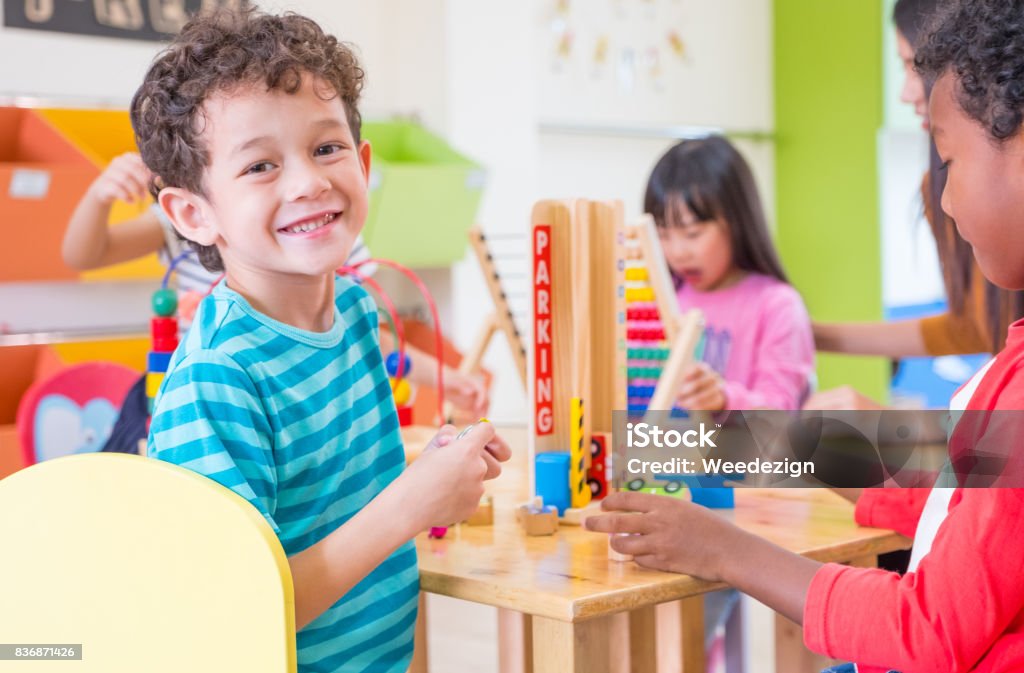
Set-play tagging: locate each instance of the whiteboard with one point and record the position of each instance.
(653, 63)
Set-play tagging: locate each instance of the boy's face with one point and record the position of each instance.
(286, 182)
(984, 186)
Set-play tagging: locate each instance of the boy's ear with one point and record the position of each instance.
(188, 214)
(364, 159)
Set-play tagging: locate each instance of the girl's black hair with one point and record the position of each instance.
(714, 182)
(912, 18)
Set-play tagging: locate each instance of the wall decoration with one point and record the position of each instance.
(152, 20)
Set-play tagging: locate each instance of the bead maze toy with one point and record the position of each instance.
(608, 335)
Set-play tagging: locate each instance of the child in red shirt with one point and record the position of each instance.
(960, 607)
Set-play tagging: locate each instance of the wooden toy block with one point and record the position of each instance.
(536, 503)
(552, 479)
(575, 516)
(536, 523)
(484, 514)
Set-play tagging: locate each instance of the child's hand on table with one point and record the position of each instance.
(666, 533)
(447, 479)
(701, 389)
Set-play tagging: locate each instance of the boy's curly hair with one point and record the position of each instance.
(217, 52)
(982, 43)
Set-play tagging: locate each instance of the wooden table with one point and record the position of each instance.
(573, 596)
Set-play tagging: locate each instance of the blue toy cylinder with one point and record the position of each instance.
(551, 476)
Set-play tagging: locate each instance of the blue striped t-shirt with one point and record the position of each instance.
(302, 425)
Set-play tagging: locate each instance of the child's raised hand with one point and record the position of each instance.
(126, 178)
(701, 389)
(667, 533)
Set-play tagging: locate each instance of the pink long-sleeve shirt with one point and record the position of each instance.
(960, 607)
(758, 337)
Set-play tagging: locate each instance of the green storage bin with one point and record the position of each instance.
(423, 196)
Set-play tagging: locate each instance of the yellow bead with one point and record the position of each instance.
(402, 391)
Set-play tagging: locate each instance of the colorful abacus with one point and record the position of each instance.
(647, 347)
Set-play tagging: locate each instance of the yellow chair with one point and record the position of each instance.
(148, 566)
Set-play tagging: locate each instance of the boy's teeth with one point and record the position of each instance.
(310, 226)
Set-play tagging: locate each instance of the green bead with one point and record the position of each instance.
(165, 302)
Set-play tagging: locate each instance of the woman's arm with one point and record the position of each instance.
(898, 339)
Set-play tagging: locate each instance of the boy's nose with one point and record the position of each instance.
(306, 181)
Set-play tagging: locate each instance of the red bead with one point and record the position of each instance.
(163, 327)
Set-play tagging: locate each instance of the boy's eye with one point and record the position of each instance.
(327, 149)
(259, 167)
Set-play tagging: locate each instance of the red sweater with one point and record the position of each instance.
(962, 609)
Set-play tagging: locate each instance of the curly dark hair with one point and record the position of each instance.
(217, 52)
(982, 43)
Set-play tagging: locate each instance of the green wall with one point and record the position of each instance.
(828, 110)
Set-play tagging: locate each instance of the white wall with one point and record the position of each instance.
(67, 67)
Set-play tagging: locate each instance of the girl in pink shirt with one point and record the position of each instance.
(960, 606)
(758, 346)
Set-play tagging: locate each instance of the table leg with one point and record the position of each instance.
(619, 642)
(515, 642)
(643, 650)
(691, 612)
(419, 648)
(681, 636)
(564, 647)
(790, 653)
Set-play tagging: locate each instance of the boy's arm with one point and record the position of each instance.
(442, 486)
(89, 242)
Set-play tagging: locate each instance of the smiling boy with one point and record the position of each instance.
(250, 124)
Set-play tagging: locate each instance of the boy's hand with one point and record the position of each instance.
(125, 178)
(667, 533)
(446, 482)
(701, 389)
(467, 393)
